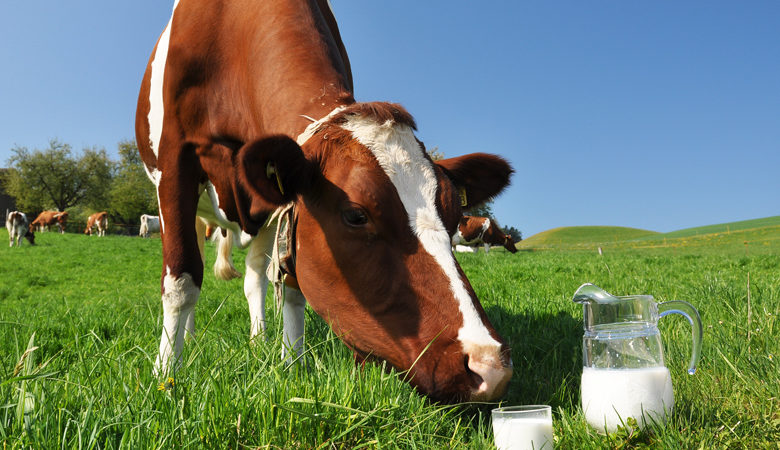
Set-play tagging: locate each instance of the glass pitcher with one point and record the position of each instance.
(624, 373)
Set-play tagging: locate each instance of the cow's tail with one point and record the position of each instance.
(223, 266)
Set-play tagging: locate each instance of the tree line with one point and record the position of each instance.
(57, 178)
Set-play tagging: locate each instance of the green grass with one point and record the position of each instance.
(90, 309)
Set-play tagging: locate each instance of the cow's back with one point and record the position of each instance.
(226, 72)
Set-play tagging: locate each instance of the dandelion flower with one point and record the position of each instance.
(167, 385)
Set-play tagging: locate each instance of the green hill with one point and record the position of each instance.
(574, 236)
(748, 235)
(757, 233)
(721, 228)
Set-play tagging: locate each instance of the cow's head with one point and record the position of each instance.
(509, 244)
(374, 220)
(30, 236)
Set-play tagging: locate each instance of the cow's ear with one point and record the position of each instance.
(273, 171)
(477, 176)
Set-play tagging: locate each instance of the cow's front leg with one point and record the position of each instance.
(180, 294)
(182, 265)
(256, 280)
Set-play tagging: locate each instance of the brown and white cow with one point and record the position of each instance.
(18, 227)
(481, 230)
(48, 218)
(246, 108)
(149, 224)
(99, 220)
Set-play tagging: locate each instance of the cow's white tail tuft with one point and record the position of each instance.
(223, 266)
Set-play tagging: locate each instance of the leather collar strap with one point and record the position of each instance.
(283, 254)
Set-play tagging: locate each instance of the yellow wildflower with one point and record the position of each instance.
(167, 385)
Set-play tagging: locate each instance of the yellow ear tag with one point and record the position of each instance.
(463, 199)
(270, 169)
(279, 183)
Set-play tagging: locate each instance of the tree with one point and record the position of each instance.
(516, 234)
(482, 210)
(53, 178)
(132, 193)
(30, 200)
(435, 153)
(98, 174)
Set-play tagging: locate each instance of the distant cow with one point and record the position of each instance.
(481, 230)
(18, 227)
(99, 220)
(48, 218)
(149, 224)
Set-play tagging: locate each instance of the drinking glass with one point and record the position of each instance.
(527, 427)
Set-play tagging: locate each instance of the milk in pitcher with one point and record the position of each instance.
(609, 395)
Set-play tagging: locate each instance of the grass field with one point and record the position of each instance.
(80, 321)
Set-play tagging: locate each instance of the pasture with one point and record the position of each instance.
(80, 319)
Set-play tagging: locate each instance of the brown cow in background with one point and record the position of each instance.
(481, 230)
(99, 220)
(48, 218)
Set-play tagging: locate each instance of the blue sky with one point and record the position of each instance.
(658, 115)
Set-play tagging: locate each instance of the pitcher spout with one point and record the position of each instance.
(590, 293)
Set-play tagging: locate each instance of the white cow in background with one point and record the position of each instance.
(149, 224)
(18, 227)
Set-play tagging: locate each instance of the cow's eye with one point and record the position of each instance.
(354, 217)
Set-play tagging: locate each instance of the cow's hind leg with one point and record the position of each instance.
(182, 265)
(293, 312)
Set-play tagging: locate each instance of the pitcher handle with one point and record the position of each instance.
(689, 312)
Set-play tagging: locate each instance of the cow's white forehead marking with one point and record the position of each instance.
(156, 105)
(401, 157)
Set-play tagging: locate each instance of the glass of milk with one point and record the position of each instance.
(527, 427)
(624, 375)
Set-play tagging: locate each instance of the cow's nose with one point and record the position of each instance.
(491, 375)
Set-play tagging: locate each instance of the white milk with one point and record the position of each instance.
(523, 434)
(607, 393)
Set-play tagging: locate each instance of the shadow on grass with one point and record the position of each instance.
(547, 356)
